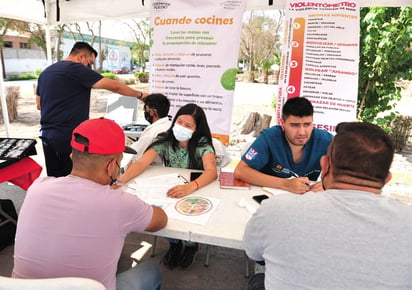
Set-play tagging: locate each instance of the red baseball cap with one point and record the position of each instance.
(103, 136)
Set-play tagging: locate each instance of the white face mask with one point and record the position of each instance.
(182, 133)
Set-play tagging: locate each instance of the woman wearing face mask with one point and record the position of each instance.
(187, 144)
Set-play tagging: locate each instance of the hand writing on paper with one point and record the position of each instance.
(298, 185)
(181, 190)
(116, 185)
(317, 186)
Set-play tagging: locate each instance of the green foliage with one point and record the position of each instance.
(24, 76)
(38, 72)
(109, 75)
(260, 39)
(142, 76)
(274, 101)
(385, 58)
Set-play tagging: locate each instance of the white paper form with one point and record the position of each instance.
(193, 209)
(153, 189)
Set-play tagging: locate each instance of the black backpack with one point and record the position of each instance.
(8, 222)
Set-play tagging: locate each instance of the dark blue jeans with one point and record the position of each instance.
(57, 156)
(257, 282)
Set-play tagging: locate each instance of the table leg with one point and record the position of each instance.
(207, 256)
(246, 265)
(153, 246)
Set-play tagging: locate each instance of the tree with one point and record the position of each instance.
(60, 30)
(76, 30)
(385, 58)
(6, 25)
(143, 36)
(259, 39)
(37, 36)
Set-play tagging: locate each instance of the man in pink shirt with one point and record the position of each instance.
(75, 226)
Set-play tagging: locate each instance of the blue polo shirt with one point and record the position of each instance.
(64, 90)
(271, 154)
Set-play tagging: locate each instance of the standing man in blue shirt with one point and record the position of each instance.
(287, 156)
(63, 98)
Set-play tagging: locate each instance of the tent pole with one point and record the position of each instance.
(3, 101)
(48, 35)
(48, 45)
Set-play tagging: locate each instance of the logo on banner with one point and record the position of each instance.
(161, 5)
(230, 4)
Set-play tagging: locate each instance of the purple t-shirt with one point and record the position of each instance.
(74, 227)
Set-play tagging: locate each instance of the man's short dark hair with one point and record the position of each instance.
(159, 102)
(298, 106)
(81, 46)
(361, 151)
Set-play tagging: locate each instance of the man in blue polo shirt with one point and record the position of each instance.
(63, 98)
(287, 156)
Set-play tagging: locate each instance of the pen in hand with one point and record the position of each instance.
(181, 177)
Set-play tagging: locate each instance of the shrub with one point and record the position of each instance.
(109, 75)
(142, 76)
(130, 81)
(24, 76)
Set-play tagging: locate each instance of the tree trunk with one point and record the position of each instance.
(12, 94)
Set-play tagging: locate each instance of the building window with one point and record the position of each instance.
(7, 44)
(24, 45)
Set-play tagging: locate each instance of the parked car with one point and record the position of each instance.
(122, 70)
(137, 69)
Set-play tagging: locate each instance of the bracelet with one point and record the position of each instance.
(197, 184)
(141, 96)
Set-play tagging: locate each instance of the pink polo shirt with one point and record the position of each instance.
(74, 227)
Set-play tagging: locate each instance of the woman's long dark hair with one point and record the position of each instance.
(202, 132)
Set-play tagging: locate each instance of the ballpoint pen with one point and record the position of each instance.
(185, 181)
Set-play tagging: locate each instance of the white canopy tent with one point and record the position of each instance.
(85, 10)
(53, 12)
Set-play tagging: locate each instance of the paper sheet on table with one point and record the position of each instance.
(193, 209)
(153, 189)
(274, 191)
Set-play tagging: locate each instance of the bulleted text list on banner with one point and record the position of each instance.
(320, 59)
(194, 56)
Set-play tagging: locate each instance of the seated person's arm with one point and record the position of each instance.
(210, 170)
(208, 175)
(158, 221)
(138, 167)
(253, 176)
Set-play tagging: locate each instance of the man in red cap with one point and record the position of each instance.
(75, 226)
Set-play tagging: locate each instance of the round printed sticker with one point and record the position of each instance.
(193, 206)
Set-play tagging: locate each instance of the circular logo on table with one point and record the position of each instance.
(193, 206)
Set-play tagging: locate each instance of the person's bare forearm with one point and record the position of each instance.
(296, 185)
(256, 177)
(118, 87)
